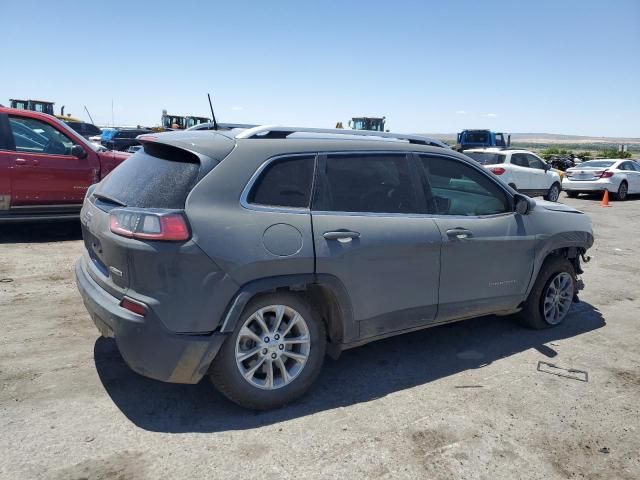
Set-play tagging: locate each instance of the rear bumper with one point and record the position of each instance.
(589, 186)
(146, 346)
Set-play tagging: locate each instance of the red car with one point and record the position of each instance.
(46, 167)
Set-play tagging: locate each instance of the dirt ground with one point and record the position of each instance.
(459, 401)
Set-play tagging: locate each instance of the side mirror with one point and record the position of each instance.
(547, 167)
(78, 151)
(521, 204)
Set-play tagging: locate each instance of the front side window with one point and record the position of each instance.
(367, 183)
(34, 136)
(285, 183)
(458, 189)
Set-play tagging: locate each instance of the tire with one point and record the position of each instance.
(623, 191)
(572, 194)
(263, 391)
(554, 193)
(554, 269)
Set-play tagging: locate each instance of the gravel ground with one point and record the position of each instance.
(459, 401)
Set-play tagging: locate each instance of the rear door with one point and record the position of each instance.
(487, 249)
(634, 168)
(520, 171)
(44, 172)
(370, 232)
(6, 163)
(633, 176)
(540, 178)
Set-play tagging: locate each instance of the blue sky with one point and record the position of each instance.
(569, 67)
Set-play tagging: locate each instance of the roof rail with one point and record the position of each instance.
(275, 131)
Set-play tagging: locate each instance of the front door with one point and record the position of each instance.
(44, 172)
(370, 235)
(487, 249)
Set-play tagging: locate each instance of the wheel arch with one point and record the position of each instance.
(571, 245)
(325, 293)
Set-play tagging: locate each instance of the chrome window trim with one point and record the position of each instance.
(407, 153)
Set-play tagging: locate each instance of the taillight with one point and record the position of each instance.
(145, 225)
(497, 170)
(134, 306)
(606, 174)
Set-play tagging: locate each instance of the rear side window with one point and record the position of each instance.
(520, 159)
(376, 183)
(152, 181)
(285, 183)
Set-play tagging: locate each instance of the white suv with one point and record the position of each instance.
(522, 170)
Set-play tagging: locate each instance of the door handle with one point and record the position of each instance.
(20, 161)
(459, 233)
(341, 235)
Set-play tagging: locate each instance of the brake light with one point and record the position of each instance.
(134, 306)
(606, 174)
(144, 225)
(497, 170)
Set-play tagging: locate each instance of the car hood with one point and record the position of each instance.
(556, 207)
(113, 155)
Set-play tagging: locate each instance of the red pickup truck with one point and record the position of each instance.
(46, 167)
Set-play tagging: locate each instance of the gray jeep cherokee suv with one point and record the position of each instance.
(249, 256)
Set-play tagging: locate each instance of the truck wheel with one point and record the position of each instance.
(551, 296)
(554, 193)
(274, 354)
(623, 189)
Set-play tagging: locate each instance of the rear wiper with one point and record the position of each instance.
(102, 196)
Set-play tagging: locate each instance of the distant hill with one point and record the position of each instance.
(551, 138)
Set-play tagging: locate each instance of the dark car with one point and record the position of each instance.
(123, 138)
(85, 129)
(248, 256)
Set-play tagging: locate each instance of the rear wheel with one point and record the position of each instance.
(622, 192)
(554, 193)
(274, 354)
(551, 296)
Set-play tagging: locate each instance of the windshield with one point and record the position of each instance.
(476, 137)
(484, 158)
(597, 164)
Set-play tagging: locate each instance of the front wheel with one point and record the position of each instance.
(553, 194)
(551, 296)
(273, 355)
(622, 192)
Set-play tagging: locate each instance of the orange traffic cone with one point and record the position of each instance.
(605, 199)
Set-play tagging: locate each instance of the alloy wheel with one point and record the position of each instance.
(272, 347)
(557, 298)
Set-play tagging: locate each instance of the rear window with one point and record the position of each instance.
(148, 181)
(486, 158)
(597, 164)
